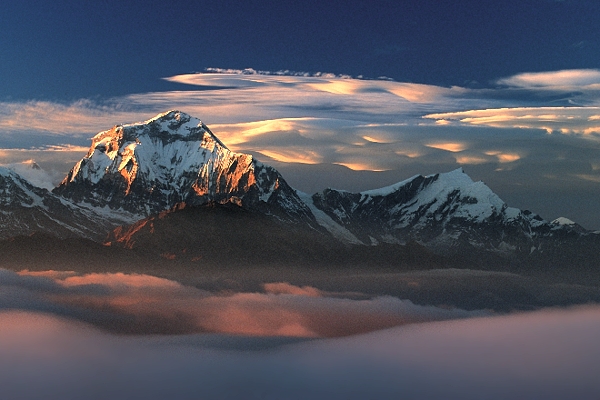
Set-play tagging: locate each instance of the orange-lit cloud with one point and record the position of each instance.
(79, 118)
(241, 133)
(293, 156)
(408, 153)
(357, 166)
(65, 148)
(504, 157)
(589, 177)
(286, 288)
(135, 303)
(453, 147)
(472, 358)
(551, 119)
(52, 274)
(119, 280)
(470, 159)
(323, 83)
(338, 86)
(418, 93)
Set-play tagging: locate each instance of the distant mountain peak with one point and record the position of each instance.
(33, 173)
(31, 164)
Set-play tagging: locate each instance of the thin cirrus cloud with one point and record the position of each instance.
(580, 89)
(581, 79)
(453, 147)
(78, 118)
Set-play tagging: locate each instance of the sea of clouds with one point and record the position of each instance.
(57, 341)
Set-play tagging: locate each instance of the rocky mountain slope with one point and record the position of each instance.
(25, 208)
(228, 235)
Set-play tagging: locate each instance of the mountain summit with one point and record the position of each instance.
(148, 167)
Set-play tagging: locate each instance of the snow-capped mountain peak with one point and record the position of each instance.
(33, 173)
(440, 211)
(478, 200)
(151, 166)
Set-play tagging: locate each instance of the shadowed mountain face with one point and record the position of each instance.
(230, 236)
(452, 215)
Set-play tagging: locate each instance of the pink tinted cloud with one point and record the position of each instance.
(135, 303)
(286, 288)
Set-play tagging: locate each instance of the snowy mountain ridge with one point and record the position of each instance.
(134, 171)
(25, 208)
(446, 211)
(32, 172)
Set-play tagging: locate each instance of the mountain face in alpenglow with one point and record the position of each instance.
(25, 209)
(148, 167)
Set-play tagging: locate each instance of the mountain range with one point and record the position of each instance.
(169, 187)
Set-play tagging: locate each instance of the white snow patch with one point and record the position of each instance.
(562, 221)
(512, 213)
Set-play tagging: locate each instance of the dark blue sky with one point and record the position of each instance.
(64, 50)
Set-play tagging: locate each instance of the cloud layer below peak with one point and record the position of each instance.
(547, 354)
(283, 342)
(144, 304)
